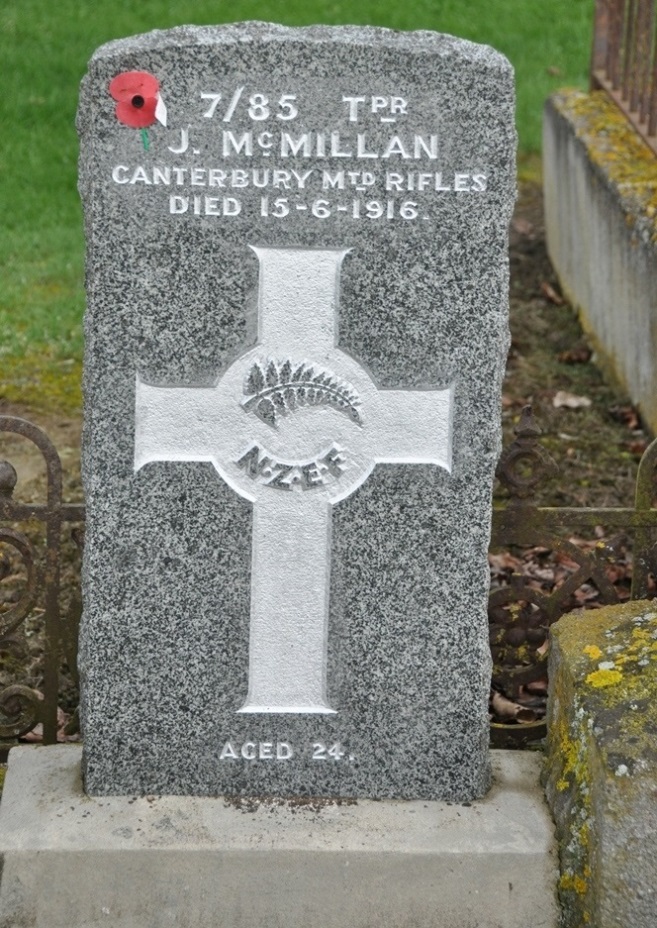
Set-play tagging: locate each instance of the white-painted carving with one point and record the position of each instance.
(263, 750)
(276, 388)
(184, 143)
(293, 475)
(328, 452)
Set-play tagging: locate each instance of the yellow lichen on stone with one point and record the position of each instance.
(602, 678)
(573, 881)
(569, 754)
(568, 762)
(593, 651)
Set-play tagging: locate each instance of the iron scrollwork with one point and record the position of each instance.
(23, 707)
(520, 614)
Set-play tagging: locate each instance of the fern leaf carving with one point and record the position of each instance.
(274, 388)
(255, 381)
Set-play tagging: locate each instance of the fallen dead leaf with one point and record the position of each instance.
(35, 736)
(551, 294)
(504, 708)
(580, 355)
(504, 562)
(522, 226)
(637, 447)
(628, 415)
(537, 687)
(569, 400)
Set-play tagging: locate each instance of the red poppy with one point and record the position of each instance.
(136, 93)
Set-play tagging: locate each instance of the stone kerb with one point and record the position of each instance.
(296, 330)
(600, 183)
(602, 764)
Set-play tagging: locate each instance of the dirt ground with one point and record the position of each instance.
(590, 427)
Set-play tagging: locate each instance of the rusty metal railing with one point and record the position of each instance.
(520, 610)
(624, 60)
(23, 707)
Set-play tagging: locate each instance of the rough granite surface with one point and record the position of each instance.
(423, 304)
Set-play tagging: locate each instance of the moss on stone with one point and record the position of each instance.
(602, 726)
(617, 150)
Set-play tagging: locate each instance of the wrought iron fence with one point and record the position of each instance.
(23, 707)
(521, 611)
(624, 60)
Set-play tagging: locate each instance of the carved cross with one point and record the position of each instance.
(294, 425)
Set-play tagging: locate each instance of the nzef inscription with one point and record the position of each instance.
(308, 475)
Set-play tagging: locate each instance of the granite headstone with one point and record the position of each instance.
(295, 339)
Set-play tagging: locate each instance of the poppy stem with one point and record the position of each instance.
(144, 138)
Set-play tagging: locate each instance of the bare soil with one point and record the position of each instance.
(597, 447)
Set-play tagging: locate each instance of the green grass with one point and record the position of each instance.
(44, 47)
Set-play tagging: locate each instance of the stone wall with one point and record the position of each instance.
(602, 764)
(601, 207)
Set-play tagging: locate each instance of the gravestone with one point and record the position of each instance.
(296, 332)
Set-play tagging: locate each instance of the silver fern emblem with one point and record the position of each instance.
(276, 388)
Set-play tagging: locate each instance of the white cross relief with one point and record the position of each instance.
(294, 425)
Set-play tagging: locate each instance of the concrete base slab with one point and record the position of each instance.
(71, 861)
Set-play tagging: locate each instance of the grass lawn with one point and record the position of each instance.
(45, 46)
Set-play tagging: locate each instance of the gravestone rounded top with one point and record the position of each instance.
(415, 42)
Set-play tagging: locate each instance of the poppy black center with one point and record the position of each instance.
(138, 101)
